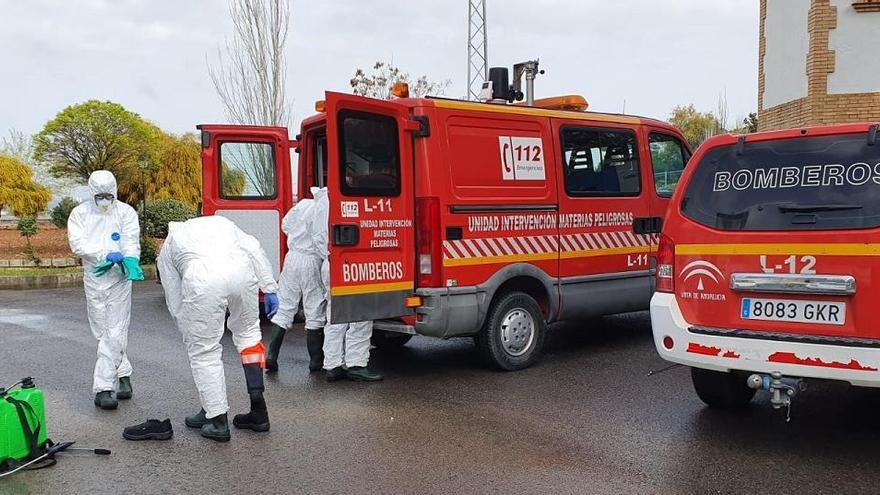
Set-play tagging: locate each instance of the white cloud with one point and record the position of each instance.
(151, 55)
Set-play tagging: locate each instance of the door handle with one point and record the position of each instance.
(345, 235)
(648, 225)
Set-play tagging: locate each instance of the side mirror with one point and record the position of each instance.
(647, 225)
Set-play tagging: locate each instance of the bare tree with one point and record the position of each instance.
(722, 115)
(379, 83)
(250, 77)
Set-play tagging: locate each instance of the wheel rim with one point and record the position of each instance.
(517, 332)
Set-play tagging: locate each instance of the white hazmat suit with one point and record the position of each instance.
(209, 265)
(94, 230)
(345, 344)
(301, 276)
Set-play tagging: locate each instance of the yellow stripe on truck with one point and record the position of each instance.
(488, 260)
(815, 249)
(352, 290)
(538, 112)
(607, 252)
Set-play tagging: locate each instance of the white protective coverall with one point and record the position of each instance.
(93, 232)
(345, 344)
(209, 265)
(301, 275)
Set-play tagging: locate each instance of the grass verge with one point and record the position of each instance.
(33, 271)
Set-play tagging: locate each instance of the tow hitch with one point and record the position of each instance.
(781, 389)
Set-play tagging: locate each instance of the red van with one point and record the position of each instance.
(452, 218)
(767, 264)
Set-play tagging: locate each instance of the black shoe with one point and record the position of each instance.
(363, 374)
(196, 420)
(254, 420)
(275, 342)
(105, 400)
(123, 389)
(153, 429)
(315, 345)
(336, 374)
(217, 428)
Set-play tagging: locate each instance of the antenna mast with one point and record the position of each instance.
(478, 40)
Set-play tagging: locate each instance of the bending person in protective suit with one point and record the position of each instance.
(101, 230)
(208, 266)
(300, 281)
(346, 345)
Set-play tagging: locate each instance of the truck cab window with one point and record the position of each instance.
(369, 154)
(669, 158)
(600, 162)
(319, 165)
(247, 170)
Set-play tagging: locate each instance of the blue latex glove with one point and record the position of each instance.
(115, 257)
(270, 304)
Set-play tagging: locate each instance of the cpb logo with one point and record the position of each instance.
(115, 236)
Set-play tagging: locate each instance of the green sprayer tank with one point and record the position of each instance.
(14, 445)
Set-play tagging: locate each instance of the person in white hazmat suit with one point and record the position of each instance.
(300, 282)
(346, 345)
(104, 229)
(208, 266)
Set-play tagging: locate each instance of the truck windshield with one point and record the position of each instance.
(810, 183)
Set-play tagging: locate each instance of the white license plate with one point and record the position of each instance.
(821, 312)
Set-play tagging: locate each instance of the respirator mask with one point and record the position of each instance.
(104, 200)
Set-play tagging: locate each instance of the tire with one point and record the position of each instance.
(513, 335)
(721, 390)
(389, 340)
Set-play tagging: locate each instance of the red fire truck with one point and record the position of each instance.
(451, 218)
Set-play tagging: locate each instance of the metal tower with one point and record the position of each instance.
(478, 60)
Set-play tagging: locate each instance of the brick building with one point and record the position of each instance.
(819, 62)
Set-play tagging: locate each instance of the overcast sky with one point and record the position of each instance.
(151, 55)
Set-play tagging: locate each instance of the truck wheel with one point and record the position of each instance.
(389, 340)
(513, 335)
(721, 390)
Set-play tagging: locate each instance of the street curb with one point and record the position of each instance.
(26, 282)
(53, 262)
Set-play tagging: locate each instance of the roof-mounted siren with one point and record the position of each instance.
(530, 70)
(498, 89)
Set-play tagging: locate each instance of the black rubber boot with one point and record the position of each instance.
(196, 420)
(315, 345)
(123, 389)
(275, 342)
(152, 429)
(257, 419)
(253, 378)
(105, 400)
(217, 428)
(363, 374)
(336, 374)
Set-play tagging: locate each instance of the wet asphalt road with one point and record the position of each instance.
(586, 419)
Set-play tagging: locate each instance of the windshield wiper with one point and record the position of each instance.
(799, 208)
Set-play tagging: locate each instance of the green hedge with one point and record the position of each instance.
(148, 250)
(159, 213)
(62, 211)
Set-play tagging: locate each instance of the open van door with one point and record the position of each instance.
(370, 188)
(246, 178)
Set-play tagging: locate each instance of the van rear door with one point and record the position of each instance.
(246, 177)
(370, 188)
(782, 237)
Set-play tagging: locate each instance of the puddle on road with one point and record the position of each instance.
(23, 319)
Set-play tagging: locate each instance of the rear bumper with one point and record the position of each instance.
(856, 365)
(450, 312)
